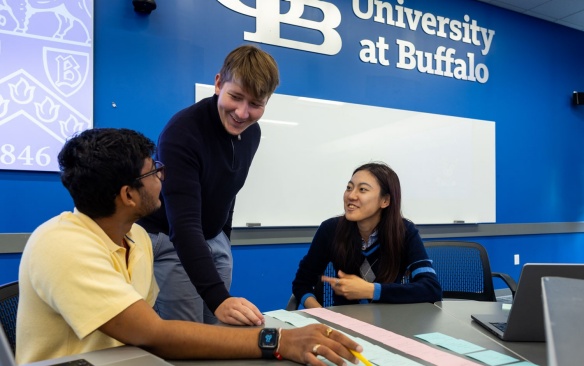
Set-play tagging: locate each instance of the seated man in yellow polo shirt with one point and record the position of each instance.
(86, 277)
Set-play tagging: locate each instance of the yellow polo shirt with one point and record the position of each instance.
(73, 279)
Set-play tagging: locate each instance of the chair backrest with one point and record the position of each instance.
(8, 308)
(322, 290)
(463, 269)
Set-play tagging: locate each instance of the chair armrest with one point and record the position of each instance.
(292, 303)
(509, 281)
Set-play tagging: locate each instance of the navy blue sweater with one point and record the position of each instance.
(205, 168)
(416, 280)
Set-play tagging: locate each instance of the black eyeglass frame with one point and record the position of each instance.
(158, 168)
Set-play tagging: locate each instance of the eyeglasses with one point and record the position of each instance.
(158, 170)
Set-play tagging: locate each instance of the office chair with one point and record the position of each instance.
(8, 308)
(323, 291)
(464, 271)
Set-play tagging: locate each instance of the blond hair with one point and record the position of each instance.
(255, 70)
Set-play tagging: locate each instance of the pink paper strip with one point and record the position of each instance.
(393, 340)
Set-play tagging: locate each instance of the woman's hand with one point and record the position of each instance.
(350, 286)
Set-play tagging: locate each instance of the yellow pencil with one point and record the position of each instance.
(361, 358)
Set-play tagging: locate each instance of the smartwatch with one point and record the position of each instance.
(268, 342)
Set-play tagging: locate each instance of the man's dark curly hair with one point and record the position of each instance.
(97, 163)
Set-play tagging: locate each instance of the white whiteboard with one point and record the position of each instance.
(310, 147)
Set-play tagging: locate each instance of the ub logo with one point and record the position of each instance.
(269, 18)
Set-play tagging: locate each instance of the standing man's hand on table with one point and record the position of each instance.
(239, 311)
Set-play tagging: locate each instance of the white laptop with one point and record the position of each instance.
(120, 356)
(563, 305)
(524, 322)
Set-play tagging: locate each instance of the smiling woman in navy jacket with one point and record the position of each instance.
(377, 254)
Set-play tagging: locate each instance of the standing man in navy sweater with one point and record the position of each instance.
(207, 149)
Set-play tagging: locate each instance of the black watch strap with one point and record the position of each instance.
(268, 342)
(268, 354)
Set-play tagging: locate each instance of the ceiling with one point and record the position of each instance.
(566, 12)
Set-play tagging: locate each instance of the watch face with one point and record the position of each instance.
(268, 338)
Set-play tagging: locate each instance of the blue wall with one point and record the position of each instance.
(148, 65)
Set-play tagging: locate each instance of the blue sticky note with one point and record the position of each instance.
(434, 338)
(492, 358)
(459, 346)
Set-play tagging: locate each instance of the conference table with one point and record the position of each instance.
(451, 318)
(406, 330)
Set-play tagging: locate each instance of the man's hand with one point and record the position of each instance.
(303, 345)
(350, 286)
(239, 311)
(140, 326)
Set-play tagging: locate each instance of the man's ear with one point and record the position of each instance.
(218, 83)
(128, 196)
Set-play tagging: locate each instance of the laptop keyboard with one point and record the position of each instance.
(500, 326)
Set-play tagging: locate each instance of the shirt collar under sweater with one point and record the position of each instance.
(370, 242)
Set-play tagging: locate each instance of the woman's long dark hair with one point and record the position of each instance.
(391, 230)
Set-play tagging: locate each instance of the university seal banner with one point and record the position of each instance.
(46, 83)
